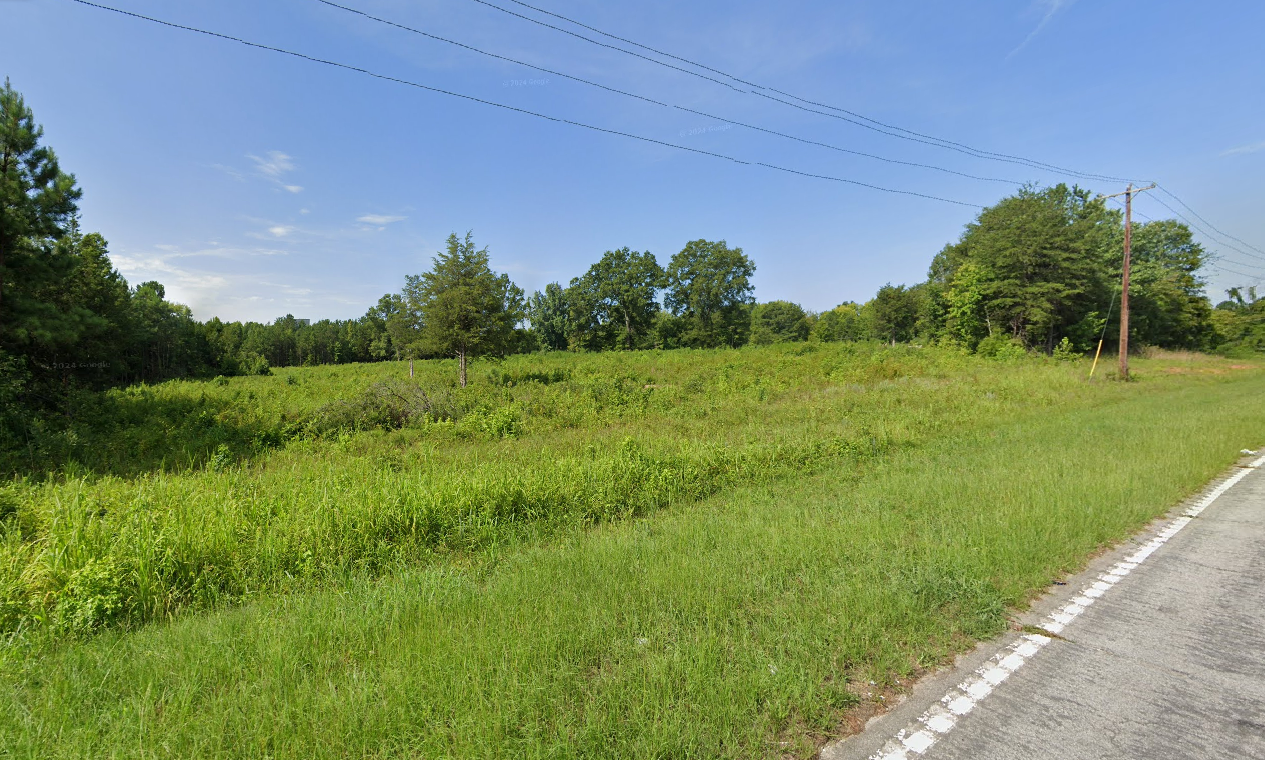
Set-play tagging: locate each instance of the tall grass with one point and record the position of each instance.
(350, 473)
(739, 626)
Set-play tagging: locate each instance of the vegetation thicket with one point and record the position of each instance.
(1036, 270)
(532, 564)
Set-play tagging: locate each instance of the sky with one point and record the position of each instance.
(255, 184)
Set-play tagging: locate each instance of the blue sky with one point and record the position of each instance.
(254, 185)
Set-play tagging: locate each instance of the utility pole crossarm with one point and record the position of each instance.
(1151, 186)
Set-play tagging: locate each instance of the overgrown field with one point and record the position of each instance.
(598, 555)
(232, 488)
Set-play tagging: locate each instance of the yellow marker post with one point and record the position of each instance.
(1095, 366)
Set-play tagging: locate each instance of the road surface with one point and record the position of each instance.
(1159, 653)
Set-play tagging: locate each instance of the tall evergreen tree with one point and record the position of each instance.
(468, 310)
(99, 296)
(37, 202)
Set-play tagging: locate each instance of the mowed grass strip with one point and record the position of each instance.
(739, 627)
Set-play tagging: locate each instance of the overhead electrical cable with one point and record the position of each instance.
(1253, 277)
(872, 124)
(1211, 236)
(1213, 255)
(558, 119)
(940, 142)
(1170, 194)
(686, 109)
(856, 118)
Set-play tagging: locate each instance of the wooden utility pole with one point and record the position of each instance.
(1124, 277)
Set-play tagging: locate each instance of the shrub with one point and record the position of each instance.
(92, 598)
(1001, 348)
(1066, 352)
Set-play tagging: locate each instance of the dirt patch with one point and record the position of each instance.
(876, 700)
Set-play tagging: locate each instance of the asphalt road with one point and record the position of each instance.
(1166, 661)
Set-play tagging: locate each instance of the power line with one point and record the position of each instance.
(864, 121)
(941, 142)
(1211, 236)
(1249, 264)
(1252, 277)
(1213, 255)
(605, 45)
(557, 119)
(537, 67)
(1170, 194)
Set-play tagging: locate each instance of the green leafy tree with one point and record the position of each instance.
(403, 318)
(549, 314)
(1239, 322)
(1038, 263)
(967, 318)
(778, 322)
(167, 341)
(843, 322)
(709, 285)
(468, 310)
(584, 327)
(894, 312)
(378, 341)
(1167, 306)
(613, 304)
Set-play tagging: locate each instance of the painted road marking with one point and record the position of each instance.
(919, 736)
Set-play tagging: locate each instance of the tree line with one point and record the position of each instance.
(1039, 271)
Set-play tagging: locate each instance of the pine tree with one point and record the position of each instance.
(37, 203)
(467, 309)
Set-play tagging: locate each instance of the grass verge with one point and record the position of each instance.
(738, 627)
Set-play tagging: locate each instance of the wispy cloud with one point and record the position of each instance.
(379, 219)
(230, 171)
(275, 166)
(274, 232)
(1253, 148)
(199, 277)
(1052, 8)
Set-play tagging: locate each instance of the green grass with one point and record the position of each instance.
(539, 444)
(668, 583)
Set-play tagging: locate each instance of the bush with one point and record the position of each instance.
(1001, 348)
(1066, 352)
(92, 598)
(384, 406)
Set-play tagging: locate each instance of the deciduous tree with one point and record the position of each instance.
(709, 284)
(778, 322)
(549, 313)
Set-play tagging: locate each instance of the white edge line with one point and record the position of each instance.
(919, 736)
